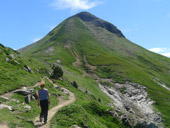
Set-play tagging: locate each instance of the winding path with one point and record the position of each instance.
(52, 111)
(10, 94)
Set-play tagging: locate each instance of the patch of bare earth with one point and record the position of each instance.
(78, 62)
(4, 125)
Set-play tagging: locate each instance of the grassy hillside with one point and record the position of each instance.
(105, 47)
(21, 116)
(13, 73)
(88, 110)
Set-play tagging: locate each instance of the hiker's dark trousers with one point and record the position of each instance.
(44, 109)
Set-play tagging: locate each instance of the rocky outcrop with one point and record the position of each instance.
(28, 94)
(133, 106)
(87, 17)
(28, 69)
(49, 50)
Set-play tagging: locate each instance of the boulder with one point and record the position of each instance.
(16, 62)
(31, 91)
(5, 98)
(15, 100)
(28, 69)
(35, 95)
(5, 106)
(23, 91)
(33, 98)
(59, 61)
(7, 59)
(28, 99)
(12, 55)
(28, 107)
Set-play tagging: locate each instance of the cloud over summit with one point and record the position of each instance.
(75, 4)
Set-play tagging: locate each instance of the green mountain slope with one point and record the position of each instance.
(17, 71)
(14, 75)
(89, 40)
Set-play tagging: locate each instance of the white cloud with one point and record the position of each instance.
(166, 54)
(157, 50)
(162, 51)
(36, 39)
(75, 4)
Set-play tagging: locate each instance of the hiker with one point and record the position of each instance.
(44, 102)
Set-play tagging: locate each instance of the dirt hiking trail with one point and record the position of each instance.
(10, 94)
(52, 111)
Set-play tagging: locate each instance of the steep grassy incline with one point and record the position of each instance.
(17, 71)
(105, 47)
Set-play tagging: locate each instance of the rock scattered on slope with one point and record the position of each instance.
(5, 98)
(12, 56)
(28, 107)
(28, 94)
(5, 106)
(15, 100)
(132, 101)
(49, 50)
(27, 68)
(7, 59)
(59, 61)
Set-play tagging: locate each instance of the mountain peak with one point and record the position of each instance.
(88, 17)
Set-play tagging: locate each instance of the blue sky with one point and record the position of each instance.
(144, 22)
